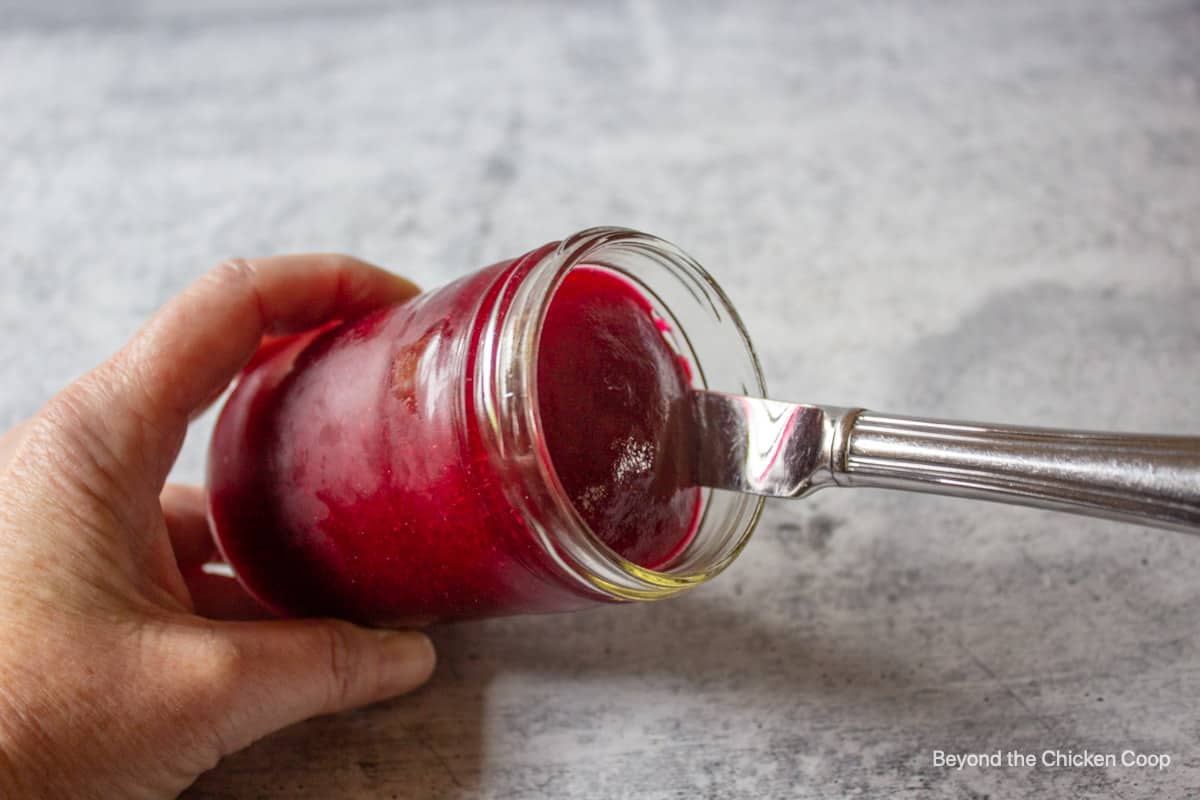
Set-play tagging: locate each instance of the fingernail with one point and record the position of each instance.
(409, 657)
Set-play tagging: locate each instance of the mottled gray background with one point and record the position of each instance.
(975, 209)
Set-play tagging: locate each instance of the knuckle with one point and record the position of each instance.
(70, 409)
(104, 435)
(340, 262)
(236, 281)
(64, 436)
(346, 665)
(208, 673)
(232, 271)
(225, 665)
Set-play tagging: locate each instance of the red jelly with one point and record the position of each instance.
(609, 388)
(401, 468)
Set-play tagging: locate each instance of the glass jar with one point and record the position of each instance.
(392, 470)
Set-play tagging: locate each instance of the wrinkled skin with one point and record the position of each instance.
(126, 671)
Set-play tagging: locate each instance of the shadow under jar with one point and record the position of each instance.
(399, 469)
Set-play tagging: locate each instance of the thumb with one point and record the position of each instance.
(276, 673)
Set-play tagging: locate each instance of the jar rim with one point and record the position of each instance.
(506, 399)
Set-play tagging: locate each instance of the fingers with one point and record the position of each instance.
(184, 510)
(143, 397)
(273, 674)
(214, 591)
(216, 594)
(199, 340)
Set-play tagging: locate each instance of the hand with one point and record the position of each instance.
(114, 681)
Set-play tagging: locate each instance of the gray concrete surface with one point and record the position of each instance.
(979, 210)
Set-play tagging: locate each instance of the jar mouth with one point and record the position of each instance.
(701, 325)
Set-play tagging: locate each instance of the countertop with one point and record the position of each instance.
(975, 210)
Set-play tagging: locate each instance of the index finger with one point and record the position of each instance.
(194, 346)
